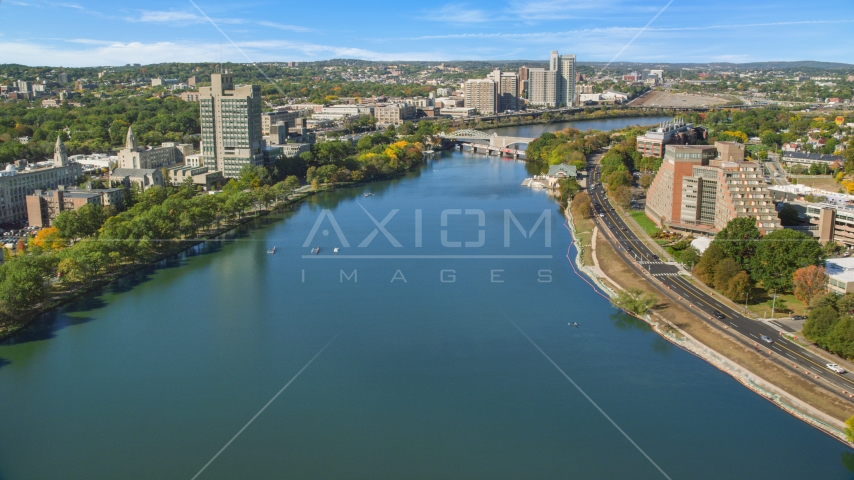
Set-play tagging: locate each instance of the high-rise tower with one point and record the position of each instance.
(231, 125)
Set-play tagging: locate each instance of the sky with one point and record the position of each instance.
(100, 33)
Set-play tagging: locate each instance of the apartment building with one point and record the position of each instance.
(507, 84)
(394, 114)
(231, 125)
(482, 95)
(287, 117)
(43, 206)
(676, 132)
(15, 185)
(564, 66)
(542, 87)
(696, 190)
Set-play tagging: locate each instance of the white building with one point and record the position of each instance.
(15, 186)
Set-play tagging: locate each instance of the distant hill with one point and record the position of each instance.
(795, 65)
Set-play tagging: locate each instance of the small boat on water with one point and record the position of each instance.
(335, 250)
(315, 250)
(272, 251)
(368, 194)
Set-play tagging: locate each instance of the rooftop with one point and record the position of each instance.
(841, 269)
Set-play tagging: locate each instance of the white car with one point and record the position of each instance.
(836, 368)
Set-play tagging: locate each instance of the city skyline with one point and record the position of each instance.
(98, 33)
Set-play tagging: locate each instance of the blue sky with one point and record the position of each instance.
(89, 33)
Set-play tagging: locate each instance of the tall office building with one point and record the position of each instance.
(231, 125)
(507, 85)
(482, 94)
(542, 85)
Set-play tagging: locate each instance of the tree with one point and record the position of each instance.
(819, 324)
(635, 300)
(788, 215)
(809, 282)
(22, 284)
(292, 183)
(705, 268)
(833, 248)
(49, 239)
(623, 196)
(645, 180)
(782, 252)
(849, 429)
(738, 240)
(690, 256)
(568, 188)
(738, 286)
(725, 270)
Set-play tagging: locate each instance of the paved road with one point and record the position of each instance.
(691, 297)
(775, 168)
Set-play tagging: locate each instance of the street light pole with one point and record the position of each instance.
(773, 303)
(746, 294)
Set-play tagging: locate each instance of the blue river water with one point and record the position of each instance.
(421, 366)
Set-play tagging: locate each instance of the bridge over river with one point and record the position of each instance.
(497, 143)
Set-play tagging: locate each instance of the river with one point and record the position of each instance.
(383, 361)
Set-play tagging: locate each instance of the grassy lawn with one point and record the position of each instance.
(793, 307)
(822, 182)
(644, 222)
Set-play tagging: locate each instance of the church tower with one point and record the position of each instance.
(60, 154)
(131, 140)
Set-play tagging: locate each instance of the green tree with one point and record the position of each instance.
(725, 270)
(849, 431)
(782, 252)
(568, 188)
(788, 215)
(645, 180)
(819, 324)
(690, 256)
(635, 301)
(738, 240)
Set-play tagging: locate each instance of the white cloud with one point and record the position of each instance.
(291, 28)
(178, 17)
(102, 53)
(457, 13)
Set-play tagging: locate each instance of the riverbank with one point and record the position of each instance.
(75, 291)
(598, 114)
(597, 260)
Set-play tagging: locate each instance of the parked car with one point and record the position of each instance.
(798, 317)
(835, 368)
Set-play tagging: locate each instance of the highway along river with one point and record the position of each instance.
(436, 343)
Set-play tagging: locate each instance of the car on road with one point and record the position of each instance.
(766, 339)
(718, 315)
(798, 317)
(835, 368)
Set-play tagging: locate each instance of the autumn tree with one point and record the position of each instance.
(49, 239)
(645, 180)
(725, 270)
(705, 268)
(623, 196)
(809, 281)
(738, 287)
